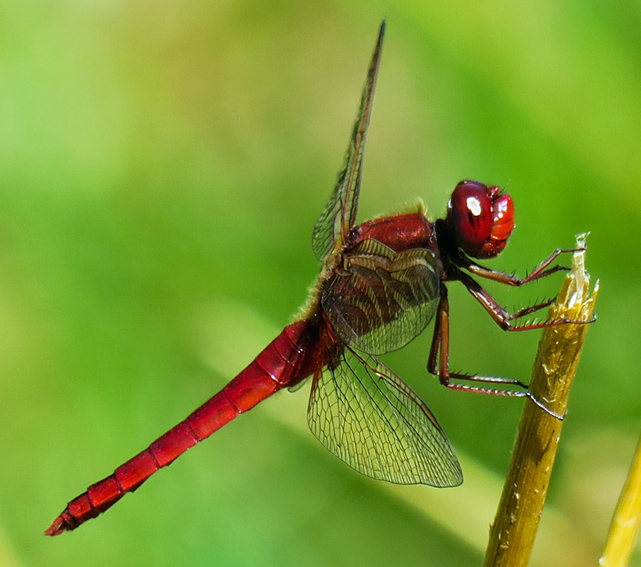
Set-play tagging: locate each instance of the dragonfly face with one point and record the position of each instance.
(480, 219)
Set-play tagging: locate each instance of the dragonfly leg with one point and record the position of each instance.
(438, 364)
(503, 318)
(541, 271)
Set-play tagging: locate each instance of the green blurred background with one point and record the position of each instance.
(162, 165)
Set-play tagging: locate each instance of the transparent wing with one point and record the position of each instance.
(340, 212)
(382, 299)
(370, 419)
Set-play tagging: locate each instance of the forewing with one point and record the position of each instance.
(382, 299)
(370, 419)
(340, 212)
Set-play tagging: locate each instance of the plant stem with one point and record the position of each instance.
(521, 505)
(627, 517)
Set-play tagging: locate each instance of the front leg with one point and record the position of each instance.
(541, 271)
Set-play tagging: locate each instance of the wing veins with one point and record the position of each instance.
(376, 407)
(387, 378)
(339, 215)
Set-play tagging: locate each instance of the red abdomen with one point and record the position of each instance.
(287, 360)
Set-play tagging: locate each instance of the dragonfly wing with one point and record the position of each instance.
(339, 215)
(382, 299)
(369, 418)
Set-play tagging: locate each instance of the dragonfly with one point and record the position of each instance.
(380, 284)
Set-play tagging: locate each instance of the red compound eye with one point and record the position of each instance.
(480, 219)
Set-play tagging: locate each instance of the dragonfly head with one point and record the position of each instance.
(480, 219)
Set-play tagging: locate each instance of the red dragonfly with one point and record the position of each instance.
(380, 284)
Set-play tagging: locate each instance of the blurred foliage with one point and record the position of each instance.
(162, 165)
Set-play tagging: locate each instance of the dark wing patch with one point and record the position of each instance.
(380, 299)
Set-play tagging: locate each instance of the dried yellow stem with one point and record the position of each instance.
(627, 517)
(521, 505)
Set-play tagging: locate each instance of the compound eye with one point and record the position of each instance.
(469, 215)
